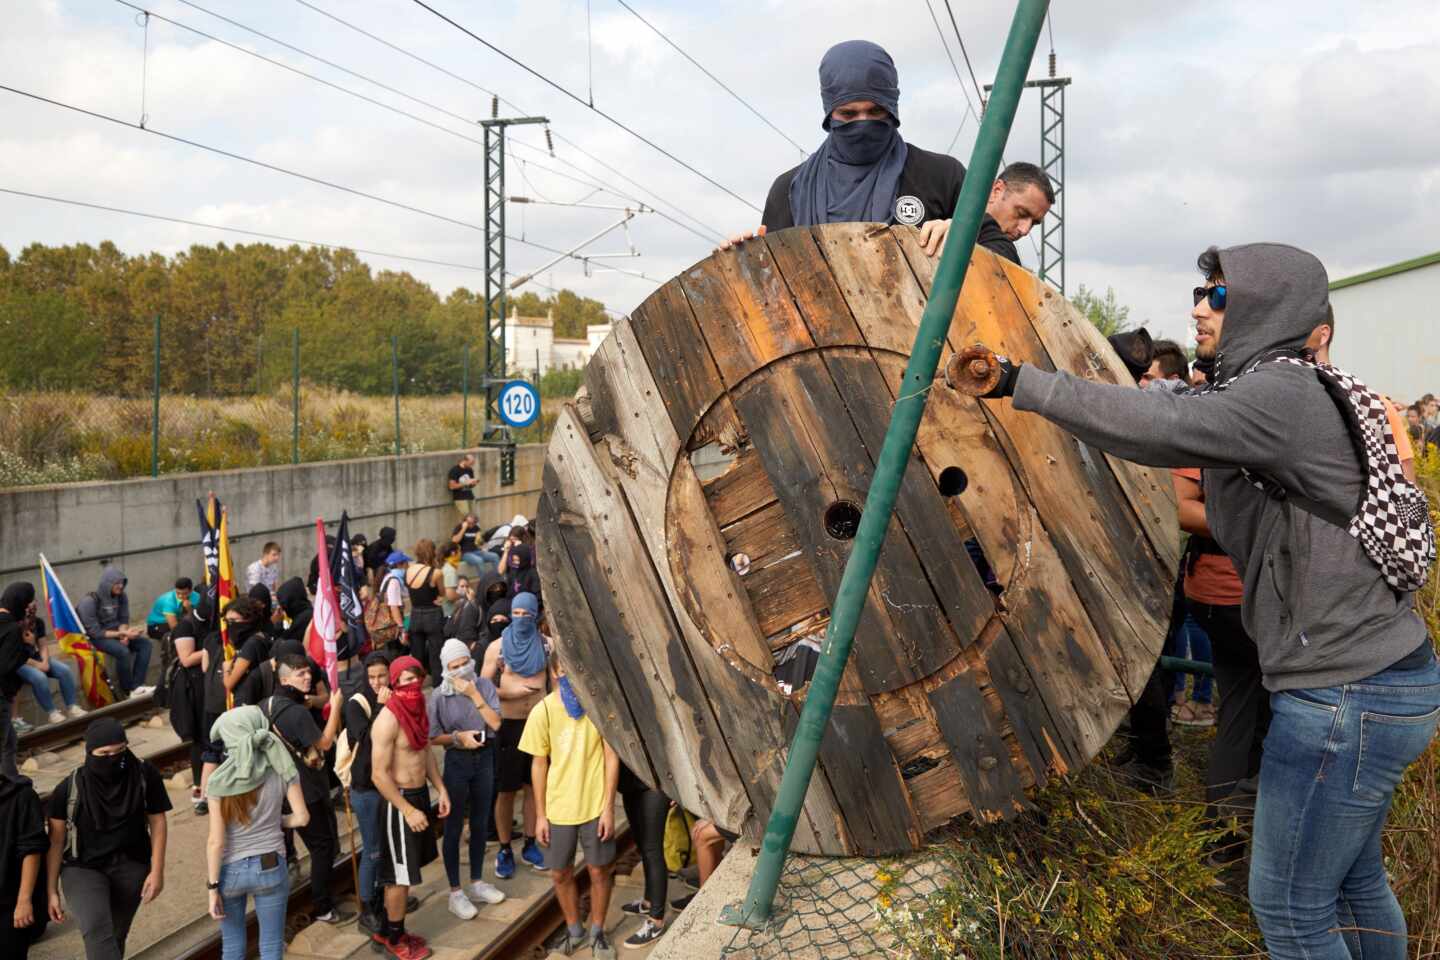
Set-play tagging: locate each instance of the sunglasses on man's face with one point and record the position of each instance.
(1215, 293)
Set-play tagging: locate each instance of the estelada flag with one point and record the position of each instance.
(219, 578)
(72, 639)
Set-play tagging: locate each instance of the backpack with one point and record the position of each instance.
(678, 824)
(184, 701)
(1392, 519)
(345, 750)
(378, 625)
(451, 631)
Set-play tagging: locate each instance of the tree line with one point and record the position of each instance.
(82, 317)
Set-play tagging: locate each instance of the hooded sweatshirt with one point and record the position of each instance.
(1320, 611)
(101, 611)
(295, 601)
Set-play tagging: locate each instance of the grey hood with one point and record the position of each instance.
(1275, 296)
(108, 578)
(100, 611)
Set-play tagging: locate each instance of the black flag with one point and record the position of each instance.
(343, 575)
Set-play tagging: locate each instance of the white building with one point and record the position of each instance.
(530, 343)
(1387, 327)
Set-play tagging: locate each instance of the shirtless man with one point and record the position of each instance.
(401, 763)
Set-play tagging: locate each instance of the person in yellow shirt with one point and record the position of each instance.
(574, 774)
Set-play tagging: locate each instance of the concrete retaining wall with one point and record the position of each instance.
(150, 527)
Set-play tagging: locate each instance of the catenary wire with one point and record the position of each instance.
(294, 173)
(581, 100)
(391, 89)
(720, 83)
(940, 32)
(961, 40)
(714, 234)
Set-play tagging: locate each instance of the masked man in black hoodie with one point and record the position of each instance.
(24, 909)
(1353, 680)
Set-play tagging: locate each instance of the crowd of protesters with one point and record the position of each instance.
(452, 651)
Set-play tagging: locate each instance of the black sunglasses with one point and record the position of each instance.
(1215, 293)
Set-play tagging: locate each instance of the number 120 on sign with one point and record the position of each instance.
(519, 404)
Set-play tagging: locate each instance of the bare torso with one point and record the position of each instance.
(406, 764)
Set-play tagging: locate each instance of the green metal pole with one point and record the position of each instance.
(894, 456)
(1180, 665)
(395, 385)
(155, 409)
(295, 402)
(465, 400)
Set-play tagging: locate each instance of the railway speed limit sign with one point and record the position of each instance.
(519, 404)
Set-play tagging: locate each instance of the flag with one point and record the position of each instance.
(72, 639)
(344, 576)
(219, 579)
(326, 620)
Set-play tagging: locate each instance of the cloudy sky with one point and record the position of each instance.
(1188, 124)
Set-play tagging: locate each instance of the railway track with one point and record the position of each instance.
(54, 735)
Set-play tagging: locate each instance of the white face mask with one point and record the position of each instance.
(467, 672)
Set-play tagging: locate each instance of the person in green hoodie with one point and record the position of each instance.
(1351, 672)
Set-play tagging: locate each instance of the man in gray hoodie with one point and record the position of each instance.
(105, 614)
(1353, 680)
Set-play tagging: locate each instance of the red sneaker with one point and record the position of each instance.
(409, 947)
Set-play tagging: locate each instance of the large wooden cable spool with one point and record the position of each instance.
(693, 525)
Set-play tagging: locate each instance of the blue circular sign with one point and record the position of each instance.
(519, 404)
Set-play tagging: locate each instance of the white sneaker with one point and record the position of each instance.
(461, 906)
(75, 710)
(139, 692)
(482, 892)
(55, 716)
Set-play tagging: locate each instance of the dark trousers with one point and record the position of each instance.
(322, 839)
(470, 781)
(427, 636)
(103, 904)
(1149, 721)
(15, 944)
(645, 811)
(1243, 718)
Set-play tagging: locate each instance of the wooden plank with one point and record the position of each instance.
(980, 752)
(1095, 534)
(1075, 344)
(875, 282)
(1044, 614)
(813, 286)
(813, 457)
(743, 715)
(741, 490)
(784, 594)
(643, 629)
(867, 782)
(744, 310)
(583, 652)
(685, 375)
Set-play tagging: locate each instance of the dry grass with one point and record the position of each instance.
(66, 437)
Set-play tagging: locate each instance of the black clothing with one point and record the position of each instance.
(12, 652)
(357, 731)
(312, 579)
(645, 811)
(296, 726)
(1243, 717)
(127, 839)
(375, 553)
(112, 787)
(459, 474)
(322, 839)
(464, 625)
(295, 602)
(929, 189)
(103, 904)
(992, 238)
(22, 834)
(469, 538)
(427, 620)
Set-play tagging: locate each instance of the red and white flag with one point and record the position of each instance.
(326, 623)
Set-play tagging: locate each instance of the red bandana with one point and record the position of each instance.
(407, 702)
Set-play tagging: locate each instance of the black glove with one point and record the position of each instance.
(1005, 386)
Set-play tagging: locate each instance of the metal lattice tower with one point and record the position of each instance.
(493, 376)
(1052, 161)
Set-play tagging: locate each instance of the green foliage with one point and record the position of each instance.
(82, 318)
(1108, 315)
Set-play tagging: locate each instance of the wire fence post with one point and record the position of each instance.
(395, 385)
(155, 408)
(465, 399)
(755, 910)
(295, 403)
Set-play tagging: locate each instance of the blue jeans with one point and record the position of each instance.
(271, 890)
(40, 684)
(470, 780)
(365, 804)
(1193, 643)
(132, 662)
(1332, 759)
(480, 559)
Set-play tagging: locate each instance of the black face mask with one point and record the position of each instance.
(105, 769)
(861, 142)
(496, 627)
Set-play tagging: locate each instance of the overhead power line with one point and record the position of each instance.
(283, 170)
(581, 100)
(720, 83)
(961, 40)
(940, 32)
(655, 197)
